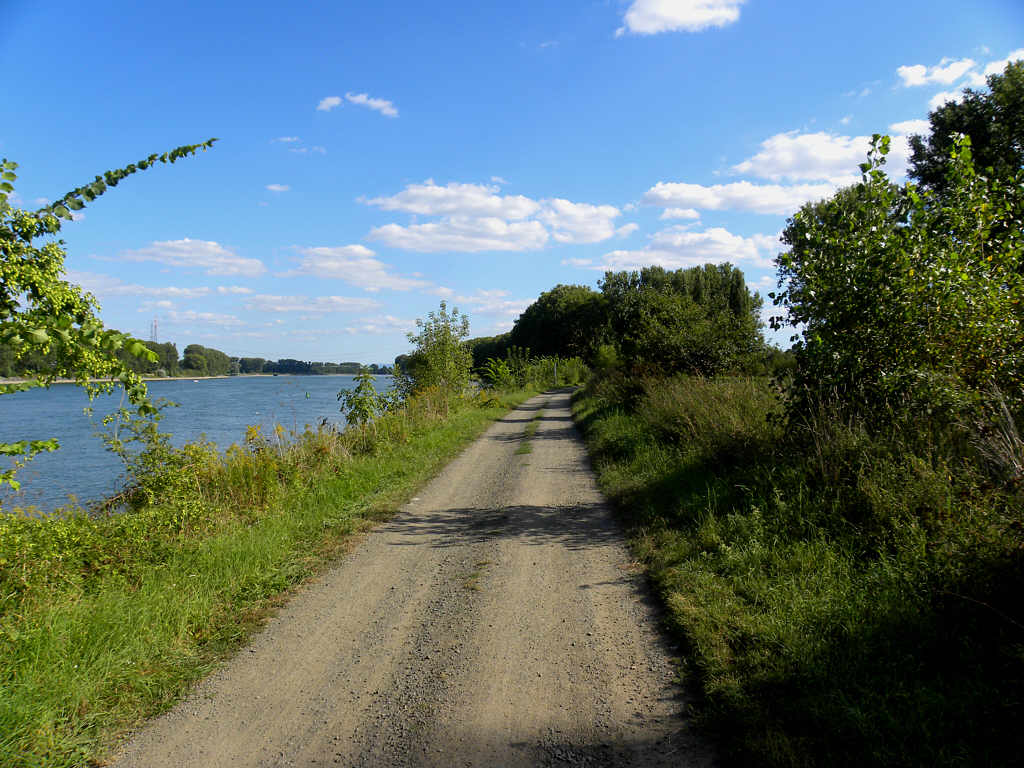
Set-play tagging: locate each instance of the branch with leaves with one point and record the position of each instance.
(41, 313)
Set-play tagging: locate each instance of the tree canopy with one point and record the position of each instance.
(994, 120)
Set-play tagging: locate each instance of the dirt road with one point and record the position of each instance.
(496, 621)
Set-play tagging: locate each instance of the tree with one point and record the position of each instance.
(441, 359)
(995, 122)
(910, 299)
(700, 320)
(41, 314)
(567, 321)
(252, 364)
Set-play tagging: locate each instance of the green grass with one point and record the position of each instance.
(104, 622)
(844, 600)
(525, 446)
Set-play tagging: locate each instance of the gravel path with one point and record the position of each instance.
(495, 621)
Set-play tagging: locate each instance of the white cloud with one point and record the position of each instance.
(649, 17)
(578, 222)
(226, 290)
(379, 325)
(493, 303)
(278, 187)
(738, 196)
(807, 157)
(210, 256)
(108, 285)
(313, 304)
(677, 247)
(627, 229)
(499, 180)
(316, 150)
(208, 318)
(77, 216)
(329, 103)
(845, 119)
(287, 139)
(679, 213)
(383, 106)
(997, 67)
(909, 127)
(430, 199)
(356, 265)
(41, 201)
(946, 72)
(942, 97)
(465, 234)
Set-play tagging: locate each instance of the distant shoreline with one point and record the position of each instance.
(197, 378)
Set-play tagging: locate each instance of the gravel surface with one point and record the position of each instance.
(495, 621)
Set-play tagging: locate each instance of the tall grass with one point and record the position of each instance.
(846, 597)
(105, 620)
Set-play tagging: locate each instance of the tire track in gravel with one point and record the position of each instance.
(495, 621)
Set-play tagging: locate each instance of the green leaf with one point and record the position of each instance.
(38, 336)
(8, 176)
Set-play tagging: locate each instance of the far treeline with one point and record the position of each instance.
(702, 320)
(196, 360)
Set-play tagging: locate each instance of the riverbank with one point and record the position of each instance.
(104, 622)
(17, 380)
(845, 598)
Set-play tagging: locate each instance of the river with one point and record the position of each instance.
(219, 409)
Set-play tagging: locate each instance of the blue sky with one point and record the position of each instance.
(375, 158)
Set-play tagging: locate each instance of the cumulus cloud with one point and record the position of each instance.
(677, 247)
(430, 199)
(943, 97)
(311, 304)
(946, 72)
(909, 127)
(799, 156)
(356, 265)
(206, 318)
(108, 285)
(379, 325)
(207, 255)
(226, 290)
(278, 187)
(738, 196)
(476, 217)
(328, 103)
(650, 17)
(679, 213)
(465, 234)
(997, 67)
(383, 106)
(578, 222)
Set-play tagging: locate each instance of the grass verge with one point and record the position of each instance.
(845, 599)
(105, 622)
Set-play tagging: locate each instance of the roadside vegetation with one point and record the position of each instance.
(106, 615)
(840, 547)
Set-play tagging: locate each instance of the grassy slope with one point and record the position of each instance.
(100, 641)
(844, 603)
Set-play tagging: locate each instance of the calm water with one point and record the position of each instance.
(220, 409)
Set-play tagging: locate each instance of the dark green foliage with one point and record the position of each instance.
(994, 120)
(700, 320)
(844, 597)
(912, 301)
(483, 348)
(251, 364)
(205, 360)
(567, 321)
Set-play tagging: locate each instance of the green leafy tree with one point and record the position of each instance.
(995, 122)
(44, 317)
(700, 320)
(252, 364)
(909, 298)
(568, 321)
(441, 359)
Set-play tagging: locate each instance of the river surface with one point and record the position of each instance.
(219, 409)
